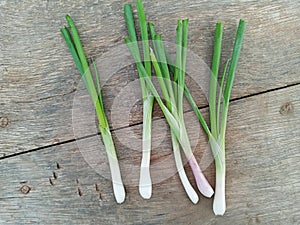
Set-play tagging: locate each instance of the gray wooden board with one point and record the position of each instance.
(262, 175)
(38, 77)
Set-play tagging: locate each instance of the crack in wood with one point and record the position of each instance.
(45, 98)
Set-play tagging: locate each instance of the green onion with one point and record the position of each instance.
(145, 183)
(74, 44)
(219, 205)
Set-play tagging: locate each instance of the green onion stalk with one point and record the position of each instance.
(74, 44)
(218, 119)
(145, 183)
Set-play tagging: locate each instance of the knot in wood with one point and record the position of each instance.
(25, 189)
(286, 108)
(4, 121)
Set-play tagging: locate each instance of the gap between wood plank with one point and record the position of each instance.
(98, 133)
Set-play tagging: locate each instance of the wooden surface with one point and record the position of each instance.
(46, 179)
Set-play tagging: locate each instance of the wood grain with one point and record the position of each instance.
(57, 186)
(38, 77)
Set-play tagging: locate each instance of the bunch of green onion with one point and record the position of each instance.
(218, 118)
(74, 44)
(171, 79)
(218, 112)
(173, 96)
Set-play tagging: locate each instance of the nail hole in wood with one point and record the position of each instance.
(51, 181)
(58, 166)
(55, 175)
(79, 192)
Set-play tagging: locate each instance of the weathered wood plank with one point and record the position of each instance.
(263, 184)
(38, 77)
